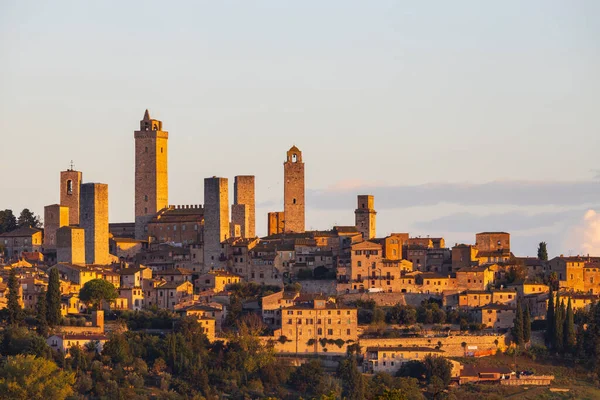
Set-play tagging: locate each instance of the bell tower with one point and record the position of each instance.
(151, 174)
(293, 191)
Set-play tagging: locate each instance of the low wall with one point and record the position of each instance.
(325, 286)
(389, 299)
(451, 345)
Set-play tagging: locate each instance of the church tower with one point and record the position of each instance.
(70, 185)
(365, 216)
(151, 176)
(293, 191)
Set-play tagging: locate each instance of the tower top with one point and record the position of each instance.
(71, 167)
(294, 155)
(149, 124)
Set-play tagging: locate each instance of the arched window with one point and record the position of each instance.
(294, 158)
(69, 186)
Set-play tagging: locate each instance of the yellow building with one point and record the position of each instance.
(316, 326)
(217, 280)
(474, 278)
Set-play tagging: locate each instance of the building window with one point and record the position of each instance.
(69, 186)
(146, 150)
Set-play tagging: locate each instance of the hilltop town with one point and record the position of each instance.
(382, 299)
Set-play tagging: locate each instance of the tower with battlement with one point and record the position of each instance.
(293, 191)
(151, 173)
(365, 216)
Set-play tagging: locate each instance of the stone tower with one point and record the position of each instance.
(55, 216)
(70, 245)
(151, 176)
(216, 218)
(293, 191)
(243, 209)
(70, 187)
(365, 216)
(94, 221)
(275, 222)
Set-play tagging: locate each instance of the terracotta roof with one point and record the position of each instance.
(24, 231)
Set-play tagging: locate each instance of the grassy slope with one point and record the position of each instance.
(575, 378)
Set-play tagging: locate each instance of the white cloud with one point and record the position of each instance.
(584, 238)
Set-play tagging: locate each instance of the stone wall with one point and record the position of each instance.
(327, 287)
(55, 216)
(451, 345)
(389, 299)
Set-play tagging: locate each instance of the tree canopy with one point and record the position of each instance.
(96, 292)
(27, 377)
(542, 251)
(8, 221)
(27, 218)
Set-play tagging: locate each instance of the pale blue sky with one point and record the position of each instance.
(376, 95)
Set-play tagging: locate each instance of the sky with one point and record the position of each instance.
(458, 116)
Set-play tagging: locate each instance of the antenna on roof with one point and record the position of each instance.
(71, 166)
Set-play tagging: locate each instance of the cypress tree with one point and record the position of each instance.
(558, 325)
(569, 329)
(40, 314)
(53, 299)
(550, 319)
(15, 312)
(517, 330)
(527, 325)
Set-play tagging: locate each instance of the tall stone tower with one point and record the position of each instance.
(151, 175)
(94, 221)
(70, 187)
(293, 191)
(70, 245)
(243, 209)
(216, 218)
(365, 216)
(55, 216)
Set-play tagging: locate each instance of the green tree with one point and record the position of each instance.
(96, 292)
(558, 323)
(15, 311)
(308, 377)
(8, 221)
(527, 325)
(517, 330)
(29, 378)
(117, 349)
(437, 367)
(53, 298)
(353, 387)
(27, 218)
(412, 369)
(542, 252)
(550, 323)
(41, 322)
(569, 329)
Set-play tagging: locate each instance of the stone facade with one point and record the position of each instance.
(275, 222)
(240, 217)
(55, 216)
(24, 239)
(243, 193)
(151, 173)
(293, 192)
(492, 241)
(177, 224)
(216, 218)
(70, 245)
(365, 216)
(94, 220)
(70, 188)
